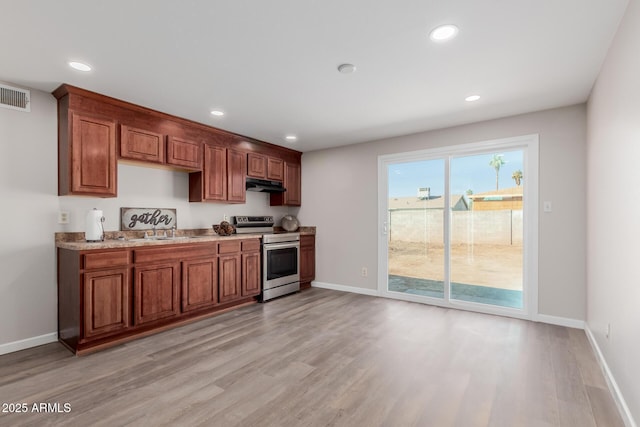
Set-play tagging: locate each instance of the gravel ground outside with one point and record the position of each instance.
(495, 266)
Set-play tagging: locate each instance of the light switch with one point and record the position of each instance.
(547, 206)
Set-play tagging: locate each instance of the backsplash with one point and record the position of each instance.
(144, 187)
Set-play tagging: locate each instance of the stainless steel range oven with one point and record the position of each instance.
(280, 264)
(280, 255)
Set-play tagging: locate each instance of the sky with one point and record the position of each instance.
(467, 173)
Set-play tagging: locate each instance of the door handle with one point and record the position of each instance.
(384, 227)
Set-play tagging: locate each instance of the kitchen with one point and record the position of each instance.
(336, 184)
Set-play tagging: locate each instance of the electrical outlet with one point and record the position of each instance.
(608, 331)
(364, 272)
(63, 217)
(225, 217)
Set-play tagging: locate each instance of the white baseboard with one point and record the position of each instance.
(560, 321)
(343, 288)
(611, 381)
(28, 343)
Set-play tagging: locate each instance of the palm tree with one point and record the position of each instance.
(517, 176)
(496, 162)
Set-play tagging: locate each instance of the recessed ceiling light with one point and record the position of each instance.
(346, 68)
(217, 113)
(291, 138)
(472, 98)
(80, 66)
(443, 33)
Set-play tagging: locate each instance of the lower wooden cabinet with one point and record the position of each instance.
(251, 277)
(109, 295)
(156, 290)
(230, 274)
(106, 302)
(307, 260)
(199, 284)
(251, 273)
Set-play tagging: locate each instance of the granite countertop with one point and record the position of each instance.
(75, 241)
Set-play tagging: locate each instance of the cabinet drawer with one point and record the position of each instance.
(230, 247)
(105, 259)
(250, 245)
(173, 253)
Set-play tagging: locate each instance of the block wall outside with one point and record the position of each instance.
(502, 227)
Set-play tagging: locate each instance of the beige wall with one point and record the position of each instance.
(28, 190)
(340, 196)
(613, 221)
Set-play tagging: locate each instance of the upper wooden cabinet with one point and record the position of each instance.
(275, 169)
(148, 146)
(86, 155)
(140, 144)
(236, 176)
(293, 185)
(222, 178)
(95, 130)
(256, 165)
(265, 167)
(185, 153)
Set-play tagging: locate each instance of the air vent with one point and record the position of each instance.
(14, 98)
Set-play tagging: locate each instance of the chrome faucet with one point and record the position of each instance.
(173, 232)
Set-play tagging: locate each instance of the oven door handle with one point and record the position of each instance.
(269, 246)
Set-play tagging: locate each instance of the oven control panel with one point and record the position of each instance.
(253, 221)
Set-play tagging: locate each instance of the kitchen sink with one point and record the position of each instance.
(153, 239)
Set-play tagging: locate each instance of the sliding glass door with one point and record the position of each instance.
(486, 229)
(415, 228)
(455, 228)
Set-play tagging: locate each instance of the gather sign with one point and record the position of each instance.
(147, 218)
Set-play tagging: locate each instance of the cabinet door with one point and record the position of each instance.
(251, 280)
(93, 156)
(181, 152)
(229, 277)
(256, 165)
(106, 302)
(236, 177)
(215, 173)
(139, 144)
(275, 169)
(307, 259)
(156, 292)
(292, 183)
(199, 283)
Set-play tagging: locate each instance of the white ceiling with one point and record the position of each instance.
(272, 65)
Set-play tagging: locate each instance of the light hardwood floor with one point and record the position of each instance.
(323, 358)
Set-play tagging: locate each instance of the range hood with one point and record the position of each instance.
(266, 186)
